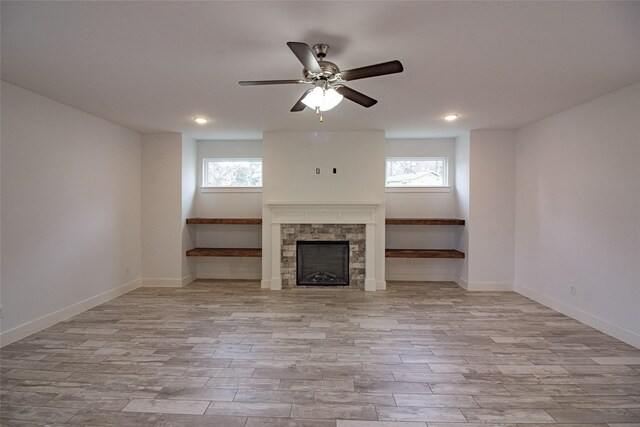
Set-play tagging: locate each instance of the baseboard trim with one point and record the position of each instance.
(381, 285)
(265, 284)
(489, 287)
(161, 283)
(623, 334)
(29, 328)
(276, 284)
(462, 282)
(187, 279)
(395, 277)
(484, 286)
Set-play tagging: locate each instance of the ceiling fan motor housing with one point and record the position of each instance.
(329, 72)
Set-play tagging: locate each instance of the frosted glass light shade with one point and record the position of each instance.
(322, 99)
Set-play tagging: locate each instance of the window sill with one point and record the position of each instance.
(231, 189)
(417, 189)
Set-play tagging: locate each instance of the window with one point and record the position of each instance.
(232, 173)
(416, 172)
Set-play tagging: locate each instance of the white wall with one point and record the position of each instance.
(578, 213)
(162, 209)
(70, 211)
(421, 203)
(491, 210)
(462, 152)
(291, 159)
(189, 177)
(289, 176)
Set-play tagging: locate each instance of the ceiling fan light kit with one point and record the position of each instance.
(322, 99)
(328, 80)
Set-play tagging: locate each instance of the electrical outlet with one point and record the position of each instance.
(1, 313)
(127, 270)
(572, 290)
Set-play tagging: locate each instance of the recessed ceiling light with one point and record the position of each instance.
(451, 117)
(201, 120)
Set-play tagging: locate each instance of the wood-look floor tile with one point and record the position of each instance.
(91, 417)
(274, 396)
(250, 409)
(194, 393)
(288, 422)
(172, 420)
(620, 402)
(384, 399)
(36, 414)
(391, 387)
(350, 423)
(313, 385)
(583, 415)
(507, 415)
(288, 373)
(622, 360)
(334, 411)
(88, 402)
(165, 406)
(516, 402)
(8, 397)
(435, 400)
(244, 383)
(469, 389)
(30, 374)
(413, 413)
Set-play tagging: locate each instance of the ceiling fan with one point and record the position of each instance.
(327, 79)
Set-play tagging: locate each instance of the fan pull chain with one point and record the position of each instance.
(318, 113)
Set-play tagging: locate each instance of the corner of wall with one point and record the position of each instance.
(36, 325)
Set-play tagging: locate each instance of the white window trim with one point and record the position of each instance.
(417, 189)
(446, 188)
(231, 189)
(207, 189)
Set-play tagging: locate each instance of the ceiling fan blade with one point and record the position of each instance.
(381, 69)
(269, 82)
(355, 96)
(300, 105)
(305, 55)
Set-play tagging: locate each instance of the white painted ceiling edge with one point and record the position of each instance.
(152, 66)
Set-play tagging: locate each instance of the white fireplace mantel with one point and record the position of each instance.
(323, 213)
(288, 213)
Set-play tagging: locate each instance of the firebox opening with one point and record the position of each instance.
(322, 262)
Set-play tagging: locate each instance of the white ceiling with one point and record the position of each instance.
(152, 66)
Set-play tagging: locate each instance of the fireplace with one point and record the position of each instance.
(362, 225)
(350, 237)
(322, 263)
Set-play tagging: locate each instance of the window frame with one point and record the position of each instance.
(228, 189)
(445, 188)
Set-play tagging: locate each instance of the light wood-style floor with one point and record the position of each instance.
(231, 354)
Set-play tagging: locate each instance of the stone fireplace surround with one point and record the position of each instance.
(354, 233)
(286, 215)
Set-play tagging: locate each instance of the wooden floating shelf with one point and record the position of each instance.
(424, 221)
(227, 221)
(424, 253)
(226, 252)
